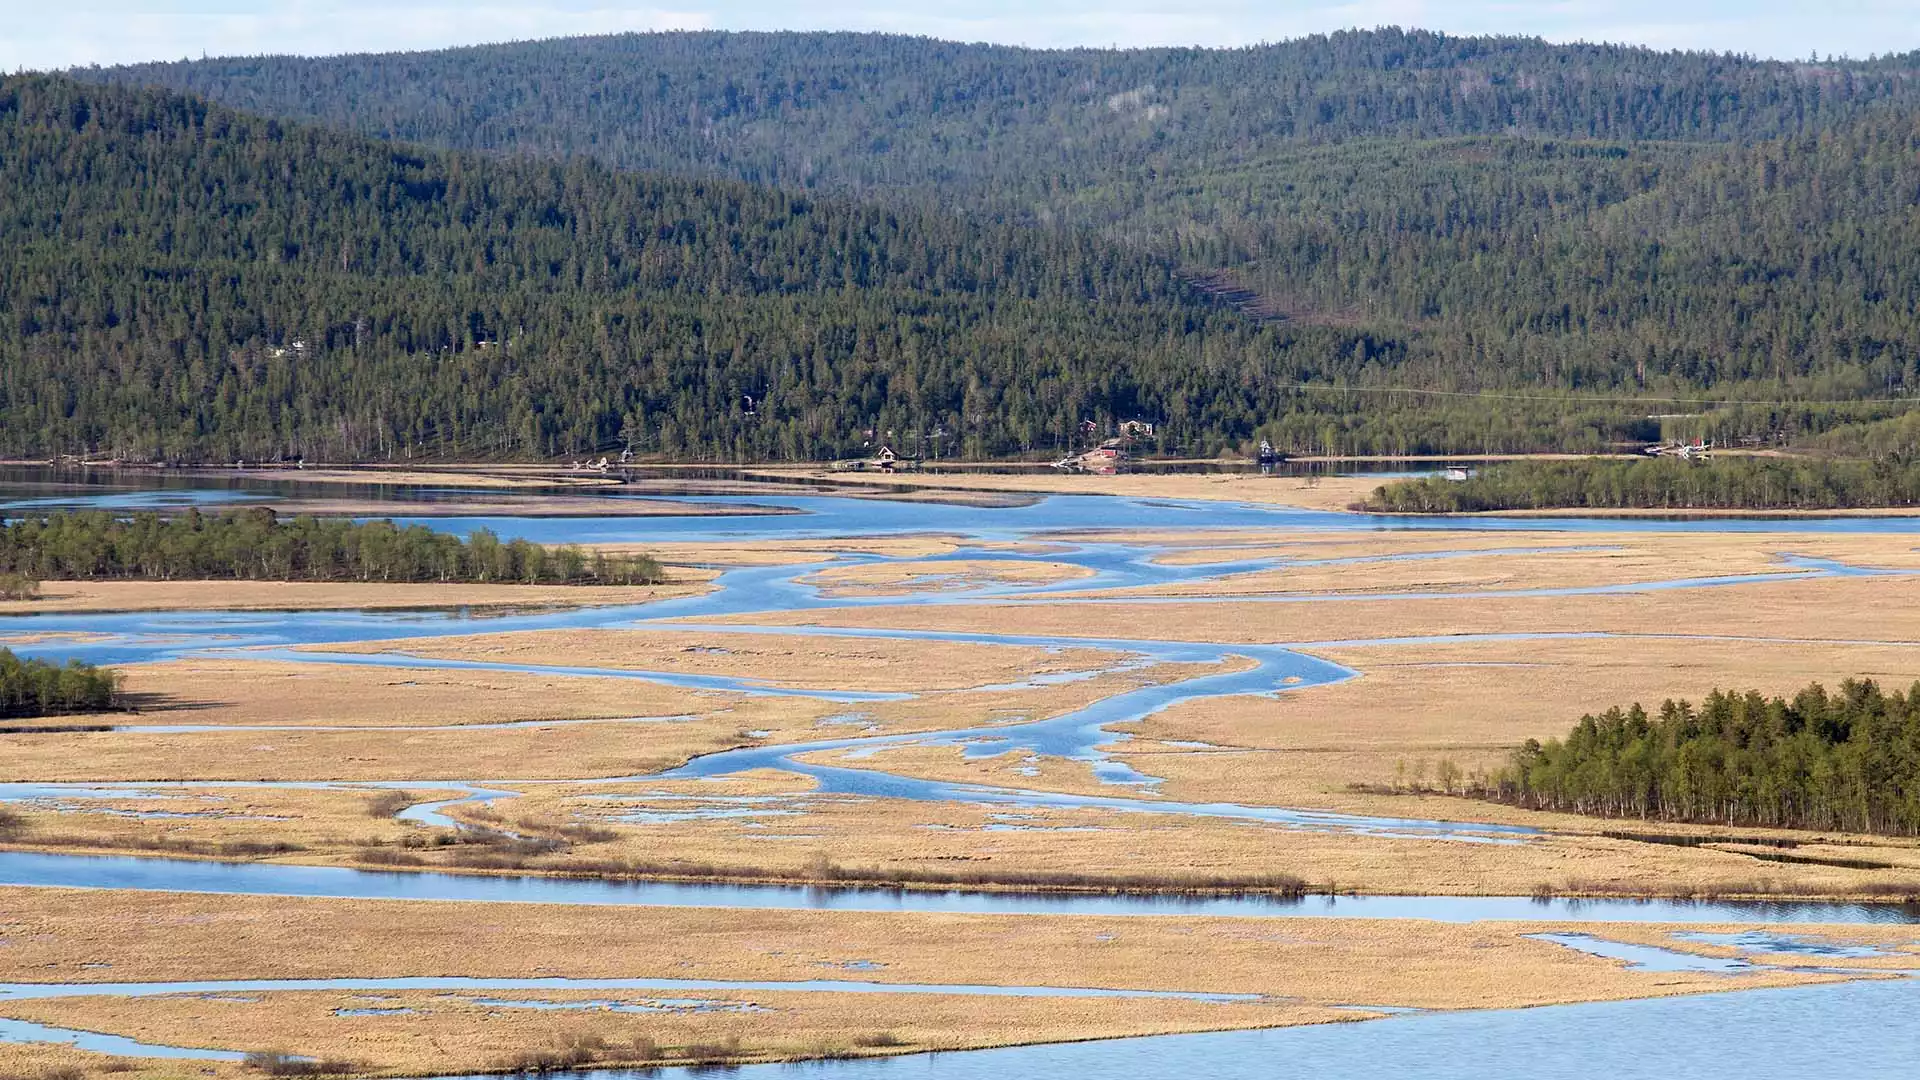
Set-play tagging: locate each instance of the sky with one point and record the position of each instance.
(38, 35)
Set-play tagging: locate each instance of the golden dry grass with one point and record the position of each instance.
(905, 578)
(828, 837)
(451, 1033)
(1325, 493)
(315, 824)
(827, 663)
(51, 1061)
(1332, 961)
(369, 701)
(246, 691)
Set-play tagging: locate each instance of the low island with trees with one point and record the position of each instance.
(255, 544)
(1845, 761)
(1661, 483)
(34, 688)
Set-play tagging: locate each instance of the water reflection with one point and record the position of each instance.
(285, 879)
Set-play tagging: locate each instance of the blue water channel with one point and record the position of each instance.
(125, 872)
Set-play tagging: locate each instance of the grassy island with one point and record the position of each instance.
(1847, 761)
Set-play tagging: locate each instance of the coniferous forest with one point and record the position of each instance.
(1848, 761)
(792, 246)
(255, 545)
(1663, 483)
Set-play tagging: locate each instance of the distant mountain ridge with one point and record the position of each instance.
(866, 111)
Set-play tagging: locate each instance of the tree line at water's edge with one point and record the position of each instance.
(1663, 483)
(255, 544)
(30, 688)
(1845, 761)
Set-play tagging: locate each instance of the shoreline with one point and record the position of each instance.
(1660, 513)
(127, 597)
(922, 885)
(521, 487)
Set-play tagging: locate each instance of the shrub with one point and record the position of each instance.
(281, 1063)
(878, 1039)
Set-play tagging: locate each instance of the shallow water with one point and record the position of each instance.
(1859, 1031)
(1646, 957)
(26, 1031)
(832, 516)
(207, 987)
(1754, 942)
(649, 1005)
(281, 879)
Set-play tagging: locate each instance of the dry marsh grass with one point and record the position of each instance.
(1300, 969)
(909, 577)
(794, 661)
(451, 1034)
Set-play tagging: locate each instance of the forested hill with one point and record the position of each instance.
(1409, 209)
(866, 111)
(184, 281)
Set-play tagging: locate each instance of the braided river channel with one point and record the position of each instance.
(1858, 1029)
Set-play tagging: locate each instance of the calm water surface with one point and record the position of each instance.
(279, 879)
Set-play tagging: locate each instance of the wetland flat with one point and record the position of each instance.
(1077, 695)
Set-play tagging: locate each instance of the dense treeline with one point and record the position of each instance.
(31, 688)
(1848, 761)
(255, 545)
(1664, 483)
(1461, 213)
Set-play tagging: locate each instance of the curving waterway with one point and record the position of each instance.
(1426, 1045)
